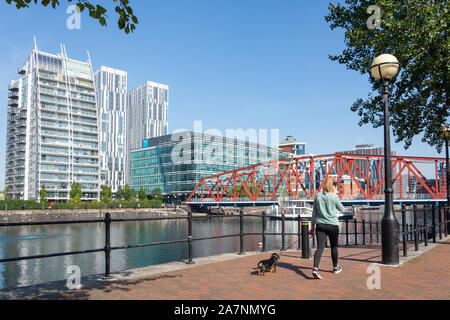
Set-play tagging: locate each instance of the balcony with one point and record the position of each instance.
(13, 102)
(13, 94)
(21, 71)
(13, 86)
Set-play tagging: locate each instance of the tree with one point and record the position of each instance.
(156, 194)
(43, 195)
(75, 192)
(416, 32)
(106, 193)
(119, 194)
(127, 20)
(142, 195)
(5, 193)
(128, 193)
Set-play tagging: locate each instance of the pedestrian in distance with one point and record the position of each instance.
(326, 224)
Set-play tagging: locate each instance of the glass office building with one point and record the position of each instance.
(111, 87)
(52, 137)
(174, 163)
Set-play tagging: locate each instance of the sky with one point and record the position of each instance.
(254, 64)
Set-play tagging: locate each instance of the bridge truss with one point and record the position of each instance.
(360, 178)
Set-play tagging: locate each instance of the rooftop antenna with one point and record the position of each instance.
(35, 44)
(89, 57)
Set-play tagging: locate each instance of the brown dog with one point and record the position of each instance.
(268, 264)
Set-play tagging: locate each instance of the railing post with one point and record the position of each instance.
(440, 221)
(306, 251)
(241, 232)
(370, 229)
(376, 225)
(264, 249)
(416, 233)
(283, 224)
(346, 231)
(356, 231)
(433, 223)
(299, 231)
(404, 231)
(445, 220)
(190, 261)
(364, 231)
(107, 245)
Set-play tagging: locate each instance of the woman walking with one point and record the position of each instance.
(325, 223)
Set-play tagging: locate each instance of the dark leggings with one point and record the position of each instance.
(322, 231)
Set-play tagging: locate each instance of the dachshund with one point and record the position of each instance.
(268, 264)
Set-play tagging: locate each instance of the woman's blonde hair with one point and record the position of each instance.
(329, 185)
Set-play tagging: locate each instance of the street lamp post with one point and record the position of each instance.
(384, 68)
(446, 133)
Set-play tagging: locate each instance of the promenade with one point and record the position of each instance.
(231, 276)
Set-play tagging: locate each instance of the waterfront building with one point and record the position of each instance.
(111, 90)
(147, 115)
(291, 145)
(174, 163)
(52, 134)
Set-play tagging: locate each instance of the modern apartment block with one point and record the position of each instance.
(147, 115)
(111, 88)
(52, 133)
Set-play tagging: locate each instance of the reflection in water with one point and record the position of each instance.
(34, 240)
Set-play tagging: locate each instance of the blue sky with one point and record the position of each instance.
(232, 64)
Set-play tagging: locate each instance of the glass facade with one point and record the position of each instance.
(174, 163)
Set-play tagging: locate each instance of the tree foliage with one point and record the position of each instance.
(5, 193)
(128, 193)
(127, 20)
(156, 194)
(417, 33)
(142, 195)
(106, 193)
(43, 195)
(75, 192)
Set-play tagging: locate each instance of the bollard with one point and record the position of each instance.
(433, 223)
(299, 232)
(440, 221)
(306, 251)
(107, 245)
(404, 231)
(190, 261)
(264, 249)
(416, 232)
(283, 232)
(241, 232)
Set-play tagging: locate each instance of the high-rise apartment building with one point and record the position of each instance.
(147, 115)
(52, 134)
(111, 87)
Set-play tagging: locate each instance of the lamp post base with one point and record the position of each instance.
(389, 241)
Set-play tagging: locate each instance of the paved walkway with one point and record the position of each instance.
(424, 277)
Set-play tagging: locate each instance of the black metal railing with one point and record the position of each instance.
(352, 232)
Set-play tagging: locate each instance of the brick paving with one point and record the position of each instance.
(424, 277)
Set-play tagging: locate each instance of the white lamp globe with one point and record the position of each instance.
(387, 64)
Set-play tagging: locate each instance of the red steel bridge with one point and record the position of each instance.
(360, 181)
